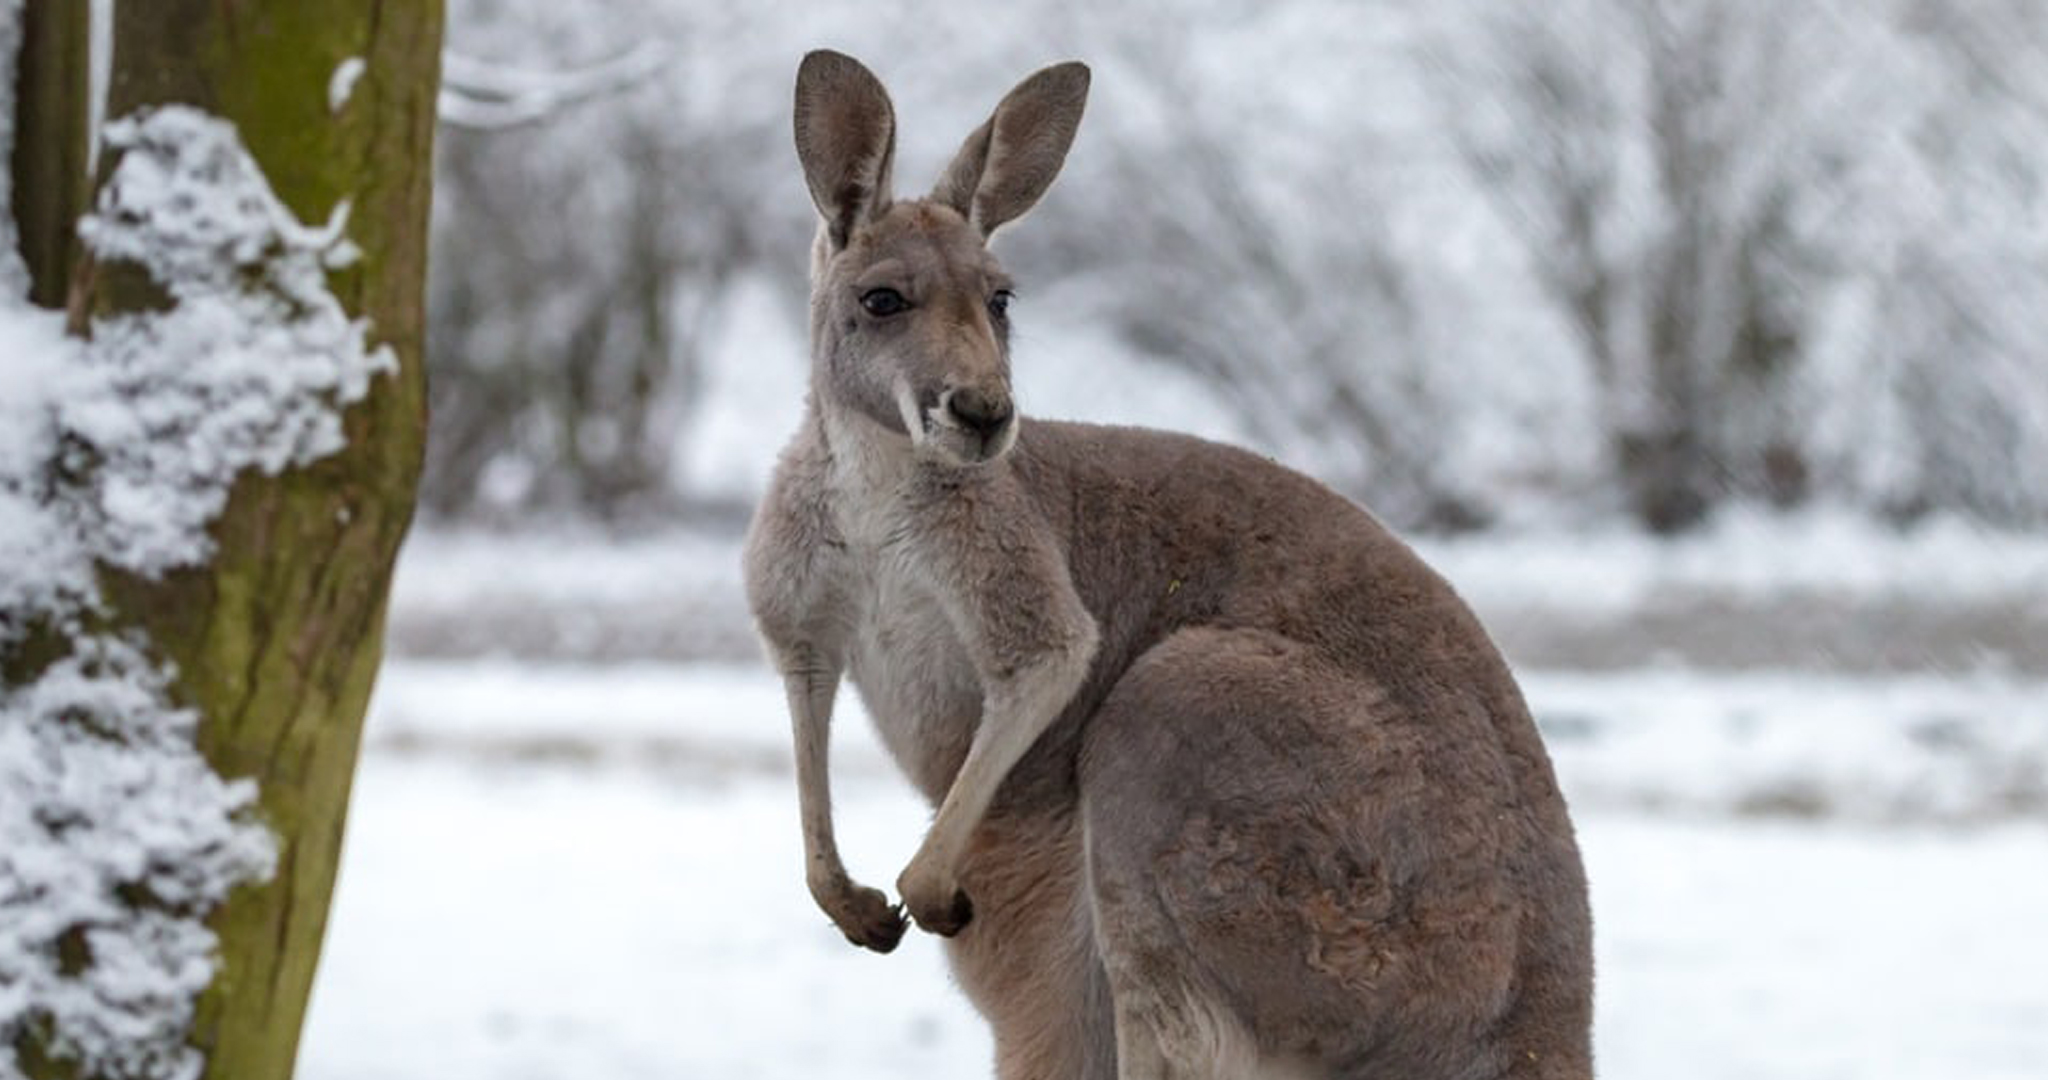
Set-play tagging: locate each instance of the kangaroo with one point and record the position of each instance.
(1227, 783)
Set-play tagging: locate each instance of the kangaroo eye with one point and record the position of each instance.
(882, 303)
(999, 304)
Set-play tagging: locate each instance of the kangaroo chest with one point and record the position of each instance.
(908, 663)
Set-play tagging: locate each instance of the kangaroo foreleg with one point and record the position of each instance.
(862, 913)
(1017, 708)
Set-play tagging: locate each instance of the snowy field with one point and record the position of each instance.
(534, 917)
(573, 855)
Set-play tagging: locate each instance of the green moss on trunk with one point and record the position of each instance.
(278, 640)
(48, 166)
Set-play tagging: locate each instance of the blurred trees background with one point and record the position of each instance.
(1474, 263)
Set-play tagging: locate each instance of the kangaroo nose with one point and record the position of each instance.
(978, 411)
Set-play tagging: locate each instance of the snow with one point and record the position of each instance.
(1798, 952)
(1355, 230)
(117, 839)
(33, 355)
(1903, 748)
(1740, 557)
(342, 83)
(1744, 553)
(249, 368)
(695, 951)
(479, 94)
(577, 854)
(1899, 748)
(723, 715)
(568, 870)
(108, 799)
(1825, 592)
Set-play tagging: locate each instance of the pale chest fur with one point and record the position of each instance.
(904, 654)
(912, 671)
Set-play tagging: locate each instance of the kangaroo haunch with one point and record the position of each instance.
(1228, 783)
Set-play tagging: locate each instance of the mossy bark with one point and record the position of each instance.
(277, 641)
(48, 167)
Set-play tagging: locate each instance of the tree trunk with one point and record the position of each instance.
(48, 167)
(277, 640)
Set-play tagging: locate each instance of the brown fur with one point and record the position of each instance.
(1228, 783)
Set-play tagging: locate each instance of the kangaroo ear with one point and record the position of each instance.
(845, 138)
(1003, 168)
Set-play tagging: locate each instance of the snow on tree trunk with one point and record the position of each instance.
(200, 502)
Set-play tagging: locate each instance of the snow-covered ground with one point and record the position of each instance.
(1902, 749)
(573, 849)
(528, 920)
(587, 874)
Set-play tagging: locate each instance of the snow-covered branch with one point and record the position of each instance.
(480, 94)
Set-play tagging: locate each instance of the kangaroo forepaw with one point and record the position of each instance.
(955, 919)
(868, 919)
(946, 917)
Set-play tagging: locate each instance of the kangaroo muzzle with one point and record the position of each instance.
(971, 424)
